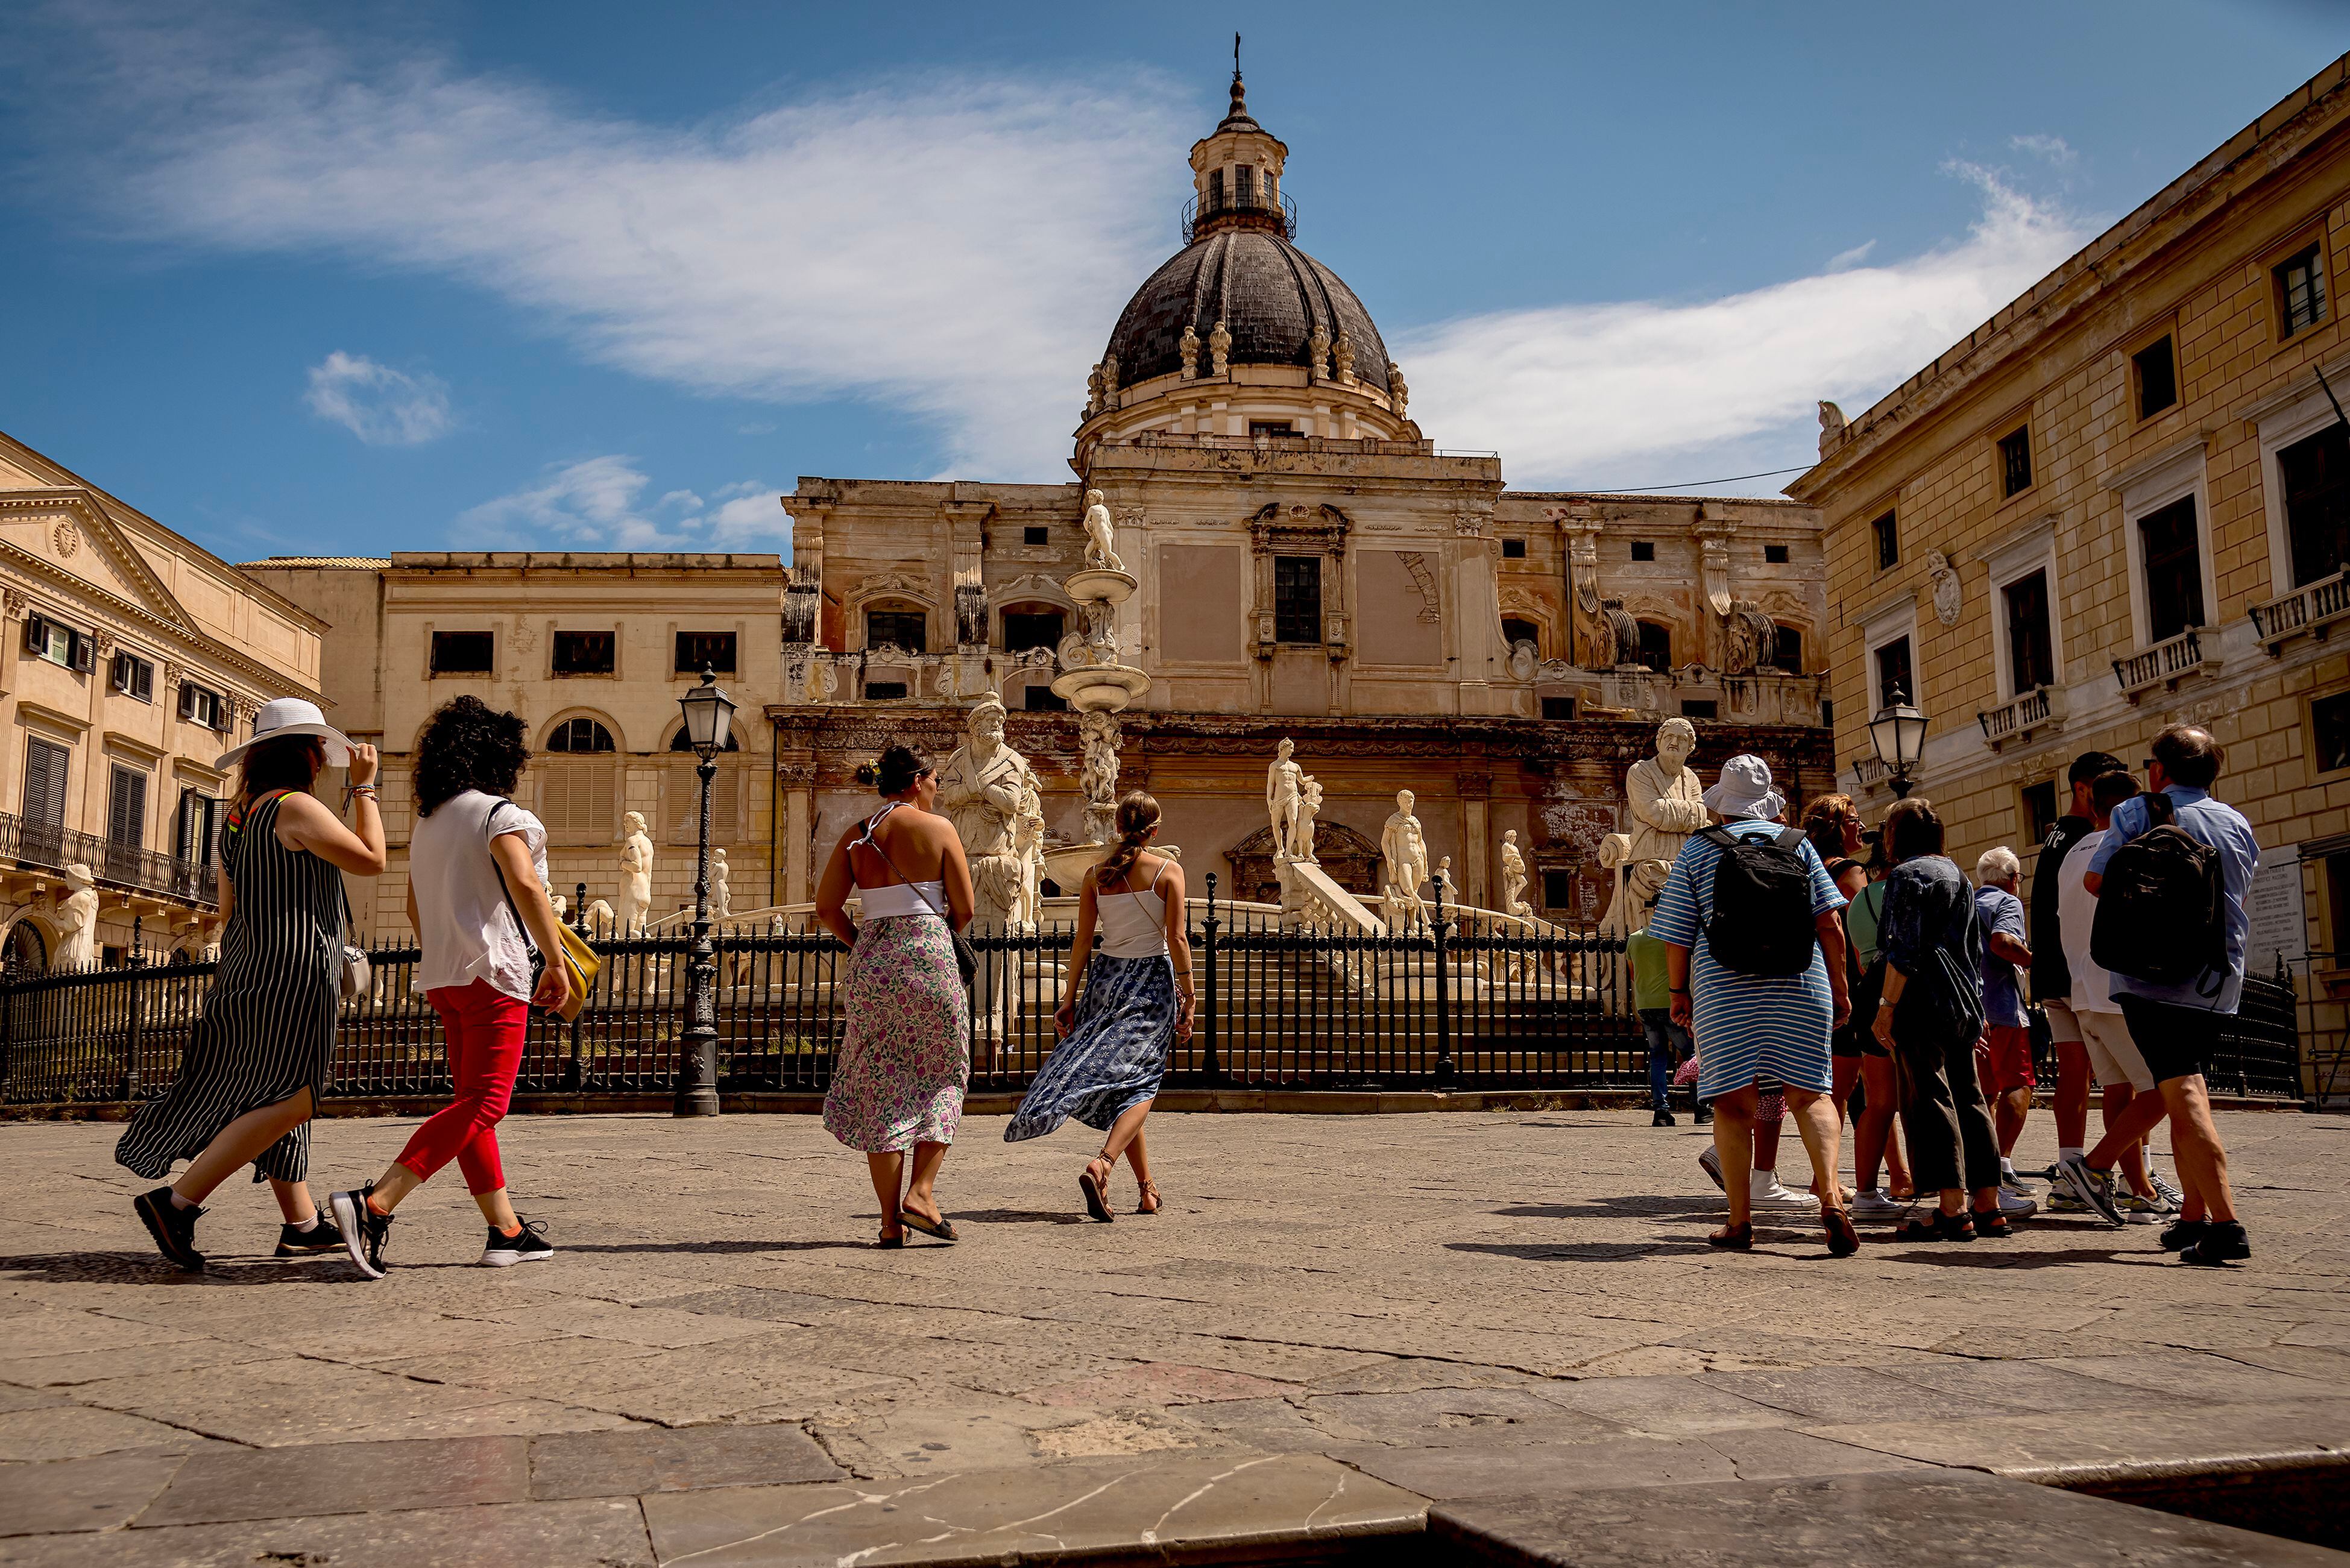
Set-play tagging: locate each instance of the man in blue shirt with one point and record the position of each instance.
(2176, 1027)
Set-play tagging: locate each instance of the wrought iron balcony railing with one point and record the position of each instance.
(1250, 210)
(122, 866)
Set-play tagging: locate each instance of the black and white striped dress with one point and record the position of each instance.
(268, 1027)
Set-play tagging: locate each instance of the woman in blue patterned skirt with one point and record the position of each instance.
(1749, 1027)
(1138, 1002)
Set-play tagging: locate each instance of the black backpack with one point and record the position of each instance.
(2162, 909)
(1762, 919)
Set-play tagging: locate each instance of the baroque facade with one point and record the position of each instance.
(2124, 502)
(132, 660)
(1310, 565)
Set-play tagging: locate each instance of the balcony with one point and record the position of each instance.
(1249, 209)
(2312, 607)
(119, 867)
(1869, 772)
(2038, 710)
(2166, 663)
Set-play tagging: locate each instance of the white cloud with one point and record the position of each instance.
(1649, 392)
(2058, 153)
(597, 504)
(382, 405)
(1844, 260)
(955, 247)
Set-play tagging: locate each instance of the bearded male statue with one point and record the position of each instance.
(1667, 800)
(981, 790)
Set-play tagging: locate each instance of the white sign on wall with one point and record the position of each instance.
(2278, 921)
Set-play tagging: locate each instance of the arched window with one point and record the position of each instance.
(1033, 626)
(1656, 645)
(1788, 651)
(576, 737)
(1515, 630)
(897, 625)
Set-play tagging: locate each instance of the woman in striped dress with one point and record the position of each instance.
(1138, 1002)
(257, 1058)
(1752, 1027)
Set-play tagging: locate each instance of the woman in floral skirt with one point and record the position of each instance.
(898, 1078)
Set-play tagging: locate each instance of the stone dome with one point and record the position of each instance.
(1269, 295)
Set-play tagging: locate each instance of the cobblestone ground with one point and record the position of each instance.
(1400, 1293)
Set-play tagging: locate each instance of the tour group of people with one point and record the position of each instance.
(1809, 967)
(1839, 973)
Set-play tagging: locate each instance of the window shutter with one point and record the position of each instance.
(81, 651)
(37, 635)
(45, 783)
(577, 801)
(187, 699)
(126, 809)
(725, 805)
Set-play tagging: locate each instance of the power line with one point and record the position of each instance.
(1693, 484)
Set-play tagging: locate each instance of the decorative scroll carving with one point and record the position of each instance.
(1432, 600)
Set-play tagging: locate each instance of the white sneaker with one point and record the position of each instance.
(2014, 1206)
(2139, 1211)
(2171, 1197)
(1710, 1163)
(2009, 1181)
(1876, 1203)
(1774, 1193)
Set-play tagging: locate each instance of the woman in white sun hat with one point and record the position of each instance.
(257, 1058)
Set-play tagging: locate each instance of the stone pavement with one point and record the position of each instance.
(1502, 1330)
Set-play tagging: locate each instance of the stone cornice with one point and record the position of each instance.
(38, 572)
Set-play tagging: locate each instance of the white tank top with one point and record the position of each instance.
(1133, 924)
(899, 900)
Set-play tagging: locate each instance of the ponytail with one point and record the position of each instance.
(1137, 818)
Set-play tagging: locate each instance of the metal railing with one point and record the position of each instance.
(1278, 212)
(120, 866)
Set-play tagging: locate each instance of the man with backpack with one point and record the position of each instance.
(2170, 880)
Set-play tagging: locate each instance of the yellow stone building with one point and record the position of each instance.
(129, 659)
(2124, 502)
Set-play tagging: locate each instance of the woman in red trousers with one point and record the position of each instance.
(476, 879)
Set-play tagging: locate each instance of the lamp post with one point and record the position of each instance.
(709, 717)
(1898, 733)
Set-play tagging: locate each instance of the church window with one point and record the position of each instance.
(896, 628)
(1215, 189)
(1024, 629)
(1656, 645)
(1515, 631)
(697, 649)
(1514, 549)
(1644, 549)
(2315, 477)
(1558, 707)
(462, 652)
(1244, 185)
(1888, 532)
(1298, 598)
(1774, 555)
(574, 737)
(583, 652)
(1787, 650)
(1259, 428)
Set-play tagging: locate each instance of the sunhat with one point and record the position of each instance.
(292, 716)
(1744, 789)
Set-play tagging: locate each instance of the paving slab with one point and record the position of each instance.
(224, 1485)
(604, 1532)
(2086, 1450)
(624, 1464)
(67, 1495)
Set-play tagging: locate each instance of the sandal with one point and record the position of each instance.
(1941, 1228)
(1097, 1191)
(1992, 1224)
(1734, 1238)
(1150, 1196)
(941, 1227)
(1842, 1240)
(889, 1240)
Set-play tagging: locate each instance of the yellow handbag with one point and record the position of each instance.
(581, 963)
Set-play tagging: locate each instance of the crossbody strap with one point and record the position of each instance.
(488, 838)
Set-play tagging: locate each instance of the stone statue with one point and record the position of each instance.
(1284, 794)
(1513, 876)
(1945, 578)
(1447, 892)
(1110, 382)
(721, 901)
(1093, 392)
(1750, 637)
(1830, 425)
(1616, 639)
(1308, 808)
(1343, 353)
(600, 922)
(1220, 346)
(1667, 800)
(636, 874)
(1405, 849)
(76, 916)
(1101, 546)
(980, 790)
(1028, 839)
(1189, 345)
(1097, 774)
(1317, 352)
(1398, 393)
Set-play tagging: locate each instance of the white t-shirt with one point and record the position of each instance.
(468, 931)
(2076, 911)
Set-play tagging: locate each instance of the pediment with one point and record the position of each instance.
(65, 533)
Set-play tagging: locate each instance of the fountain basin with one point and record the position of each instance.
(1101, 687)
(1101, 586)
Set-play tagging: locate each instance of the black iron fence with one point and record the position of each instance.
(1464, 1002)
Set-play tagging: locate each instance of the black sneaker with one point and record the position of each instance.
(2222, 1241)
(1661, 1119)
(1703, 1116)
(528, 1245)
(2183, 1235)
(364, 1231)
(293, 1242)
(174, 1227)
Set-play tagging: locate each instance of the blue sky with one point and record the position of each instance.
(601, 275)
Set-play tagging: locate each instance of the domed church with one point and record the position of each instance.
(1306, 565)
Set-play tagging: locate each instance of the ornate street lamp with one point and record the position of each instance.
(1898, 733)
(709, 718)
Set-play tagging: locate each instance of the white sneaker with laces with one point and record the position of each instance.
(1876, 1203)
(1710, 1161)
(1773, 1193)
(2139, 1211)
(2013, 1206)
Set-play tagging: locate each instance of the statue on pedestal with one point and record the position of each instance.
(980, 790)
(1098, 775)
(1404, 847)
(1284, 793)
(1028, 839)
(1668, 802)
(721, 901)
(1513, 877)
(1447, 891)
(1220, 347)
(1309, 806)
(636, 874)
(76, 920)
(1101, 544)
(1189, 347)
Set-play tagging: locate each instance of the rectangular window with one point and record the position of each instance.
(1774, 555)
(885, 690)
(2315, 476)
(2155, 369)
(1215, 189)
(576, 799)
(583, 652)
(46, 764)
(2300, 290)
(462, 652)
(1514, 549)
(1888, 532)
(1024, 629)
(1787, 650)
(1244, 185)
(1261, 428)
(1558, 707)
(1035, 536)
(1644, 549)
(1894, 682)
(1700, 707)
(126, 809)
(202, 705)
(1298, 598)
(195, 830)
(134, 677)
(2329, 723)
(2030, 657)
(2039, 809)
(1041, 700)
(904, 630)
(697, 649)
(2015, 463)
(1558, 889)
(2173, 557)
(60, 644)
(1657, 646)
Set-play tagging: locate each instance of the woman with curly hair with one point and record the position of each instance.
(477, 898)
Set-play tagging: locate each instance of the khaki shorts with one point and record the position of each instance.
(2063, 1028)
(2113, 1056)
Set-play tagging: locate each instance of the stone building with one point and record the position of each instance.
(131, 659)
(2122, 502)
(1311, 565)
(593, 651)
